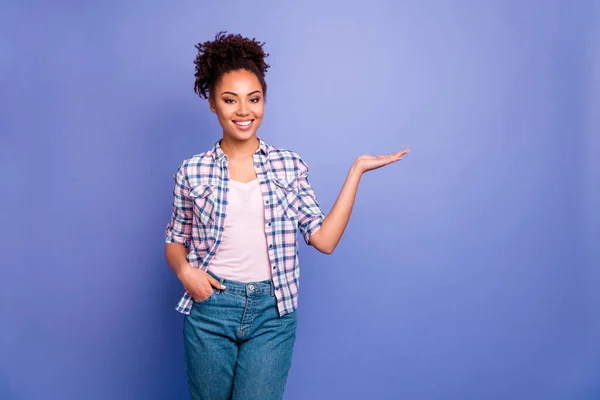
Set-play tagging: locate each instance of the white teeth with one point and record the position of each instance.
(245, 123)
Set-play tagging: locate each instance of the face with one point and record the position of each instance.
(239, 105)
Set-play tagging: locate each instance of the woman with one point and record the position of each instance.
(231, 239)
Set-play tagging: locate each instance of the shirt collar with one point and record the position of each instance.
(219, 155)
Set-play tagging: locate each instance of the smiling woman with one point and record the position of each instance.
(231, 238)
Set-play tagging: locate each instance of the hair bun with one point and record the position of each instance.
(228, 52)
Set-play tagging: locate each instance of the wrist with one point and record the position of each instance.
(183, 271)
(355, 169)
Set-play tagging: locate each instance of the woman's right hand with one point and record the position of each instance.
(198, 283)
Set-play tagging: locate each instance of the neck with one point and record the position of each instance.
(238, 149)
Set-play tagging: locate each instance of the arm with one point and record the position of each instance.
(327, 238)
(334, 224)
(177, 237)
(179, 228)
(176, 255)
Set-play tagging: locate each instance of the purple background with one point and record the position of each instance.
(470, 270)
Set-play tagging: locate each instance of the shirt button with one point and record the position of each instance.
(275, 267)
(270, 246)
(267, 202)
(269, 224)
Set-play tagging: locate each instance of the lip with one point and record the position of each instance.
(243, 128)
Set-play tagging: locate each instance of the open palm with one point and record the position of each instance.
(367, 163)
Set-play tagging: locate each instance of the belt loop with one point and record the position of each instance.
(272, 285)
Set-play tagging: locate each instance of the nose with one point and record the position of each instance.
(242, 109)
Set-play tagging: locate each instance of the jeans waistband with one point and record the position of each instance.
(246, 288)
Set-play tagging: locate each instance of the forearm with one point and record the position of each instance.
(327, 238)
(176, 255)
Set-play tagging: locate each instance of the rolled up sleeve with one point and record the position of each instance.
(310, 214)
(179, 228)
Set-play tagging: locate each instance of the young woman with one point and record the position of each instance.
(231, 239)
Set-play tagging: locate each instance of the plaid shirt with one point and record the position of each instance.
(200, 209)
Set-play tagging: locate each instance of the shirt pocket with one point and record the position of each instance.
(203, 197)
(285, 199)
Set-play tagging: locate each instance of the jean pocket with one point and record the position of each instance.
(210, 296)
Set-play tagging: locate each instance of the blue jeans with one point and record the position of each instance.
(236, 345)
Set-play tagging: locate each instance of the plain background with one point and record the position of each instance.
(469, 270)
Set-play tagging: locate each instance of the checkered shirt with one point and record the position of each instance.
(200, 208)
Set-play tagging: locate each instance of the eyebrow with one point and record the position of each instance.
(235, 94)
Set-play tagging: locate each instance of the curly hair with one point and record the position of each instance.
(227, 53)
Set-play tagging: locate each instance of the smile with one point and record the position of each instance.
(244, 124)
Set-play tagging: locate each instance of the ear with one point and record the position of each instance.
(211, 104)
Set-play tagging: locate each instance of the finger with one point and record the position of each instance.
(387, 162)
(215, 282)
(400, 153)
(395, 159)
(197, 298)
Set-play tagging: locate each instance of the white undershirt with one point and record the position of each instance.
(243, 254)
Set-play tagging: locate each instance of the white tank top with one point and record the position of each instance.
(243, 254)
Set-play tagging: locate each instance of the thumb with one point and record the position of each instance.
(215, 282)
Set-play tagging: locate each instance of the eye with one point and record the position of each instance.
(255, 100)
(228, 101)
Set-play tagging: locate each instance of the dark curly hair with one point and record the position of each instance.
(227, 53)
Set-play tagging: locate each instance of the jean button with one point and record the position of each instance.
(251, 287)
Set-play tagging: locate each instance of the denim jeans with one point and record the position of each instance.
(236, 345)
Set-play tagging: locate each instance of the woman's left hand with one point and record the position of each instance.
(366, 163)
